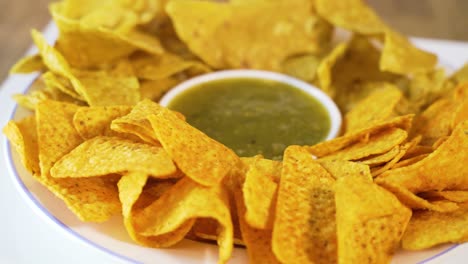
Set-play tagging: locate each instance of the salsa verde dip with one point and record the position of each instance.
(254, 115)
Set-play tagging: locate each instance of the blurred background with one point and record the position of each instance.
(442, 19)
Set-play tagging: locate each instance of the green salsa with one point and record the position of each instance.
(253, 116)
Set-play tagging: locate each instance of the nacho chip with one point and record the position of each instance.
(28, 64)
(259, 190)
(201, 158)
(103, 88)
(183, 203)
(446, 160)
(55, 118)
(291, 26)
(108, 155)
(96, 121)
(94, 199)
(377, 107)
(378, 143)
(303, 67)
(427, 229)
(370, 221)
(134, 199)
(354, 15)
(136, 122)
(305, 211)
(23, 136)
(425, 87)
(324, 70)
(54, 81)
(154, 90)
(400, 56)
(328, 147)
(344, 168)
(257, 241)
(379, 159)
(454, 196)
(163, 66)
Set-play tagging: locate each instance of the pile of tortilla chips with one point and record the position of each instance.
(396, 177)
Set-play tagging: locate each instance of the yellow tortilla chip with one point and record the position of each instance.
(94, 199)
(427, 86)
(427, 229)
(154, 90)
(305, 211)
(378, 143)
(426, 175)
(163, 66)
(201, 158)
(108, 155)
(413, 201)
(454, 196)
(96, 121)
(324, 70)
(370, 221)
(109, 87)
(303, 67)
(409, 161)
(136, 122)
(86, 45)
(28, 64)
(54, 81)
(344, 168)
(183, 203)
(400, 56)
(56, 134)
(291, 26)
(328, 147)
(379, 159)
(257, 241)
(259, 190)
(135, 198)
(354, 15)
(377, 107)
(23, 136)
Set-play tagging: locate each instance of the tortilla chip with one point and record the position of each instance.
(134, 199)
(183, 203)
(344, 168)
(154, 90)
(376, 144)
(54, 81)
(257, 241)
(454, 196)
(105, 88)
(23, 136)
(377, 107)
(291, 26)
(259, 190)
(427, 229)
(96, 121)
(427, 86)
(55, 118)
(94, 199)
(201, 158)
(324, 70)
(305, 211)
(303, 67)
(28, 64)
(370, 221)
(163, 66)
(354, 15)
(400, 56)
(328, 147)
(426, 175)
(379, 159)
(108, 155)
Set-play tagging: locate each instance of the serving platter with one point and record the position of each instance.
(66, 236)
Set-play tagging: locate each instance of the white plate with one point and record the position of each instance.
(68, 239)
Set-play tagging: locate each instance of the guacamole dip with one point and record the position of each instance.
(253, 116)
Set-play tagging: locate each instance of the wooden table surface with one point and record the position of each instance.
(444, 19)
